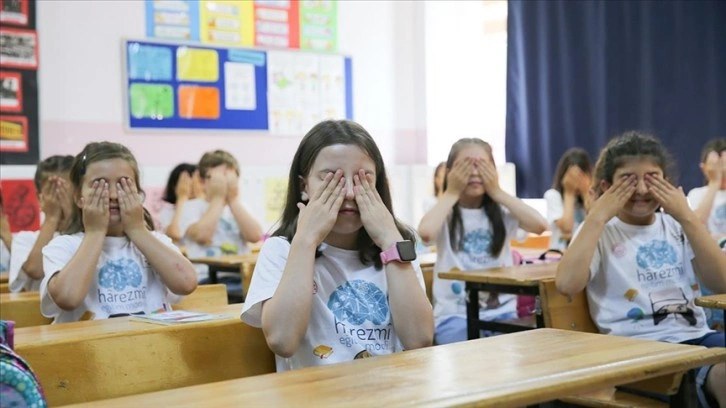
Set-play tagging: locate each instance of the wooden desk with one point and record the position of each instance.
(712, 302)
(508, 370)
(22, 308)
(518, 280)
(4, 277)
(225, 263)
(101, 359)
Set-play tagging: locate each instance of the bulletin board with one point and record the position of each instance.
(18, 82)
(195, 86)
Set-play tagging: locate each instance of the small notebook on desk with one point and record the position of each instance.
(179, 317)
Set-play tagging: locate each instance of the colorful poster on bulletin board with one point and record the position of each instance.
(18, 82)
(295, 24)
(178, 86)
(20, 204)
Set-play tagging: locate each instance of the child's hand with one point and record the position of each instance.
(183, 188)
(613, 199)
(376, 218)
(95, 208)
(571, 181)
(489, 176)
(670, 198)
(217, 184)
(49, 202)
(63, 196)
(318, 217)
(458, 176)
(713, 168)
(130, 205)
(232, 185)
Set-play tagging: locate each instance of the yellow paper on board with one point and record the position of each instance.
(229, 22)
(194, 64)
(275, 194)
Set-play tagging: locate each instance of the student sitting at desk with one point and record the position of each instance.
(336, 281)
(218, 223)
(472, 225)
(639, 265)
(184, 184)
(54, 194)
(110, 262)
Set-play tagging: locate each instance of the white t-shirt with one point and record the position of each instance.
(226, 240)
(555, 211)
(642, 282)
(4, 257)
(717, 220)
(450, 295)
(350, 315)
(165, 215)
(22, 244)
(124, 283)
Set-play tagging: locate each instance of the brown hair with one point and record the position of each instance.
(322, 135)
(92, 153)
(216, 158)
(51, 165)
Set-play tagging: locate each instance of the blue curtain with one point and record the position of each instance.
(580, 72)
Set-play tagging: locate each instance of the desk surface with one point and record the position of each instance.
(713, 301)
(226, 261)
(11, 297)
(59, 333)
(4, 277)
(520, 275)
(508, 370)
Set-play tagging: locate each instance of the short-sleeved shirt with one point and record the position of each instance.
(449, 295)
(23, 243)
(555, 211)
(642, 282)
(124, 283)
(351, 317)
(717, 219)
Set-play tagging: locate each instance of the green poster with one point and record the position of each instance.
(319, 25)
(151, 101)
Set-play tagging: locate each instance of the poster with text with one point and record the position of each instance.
(277, 23)
(20, 204)
(18, 48)
(13, 133)
(293, 92)
(319, 25)
(173, 19)
(228, 22)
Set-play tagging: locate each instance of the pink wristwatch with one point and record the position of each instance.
(401, 251)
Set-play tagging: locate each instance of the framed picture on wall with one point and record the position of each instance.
(11, 92)
(13, 133)
(18, 48)
(14, 12)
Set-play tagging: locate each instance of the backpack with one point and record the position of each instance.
(19, 387)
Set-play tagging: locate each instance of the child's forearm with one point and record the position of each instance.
(434, 219)
(573, 270)
(175, 270)
(33, 265)
(7, 239)
(70, 286)
(410, 308)
(249, 228)
(174, 229)
(286, 315)
(566, 223)
(703, 210)
(529, 219)
(203, 230)
(710, 261)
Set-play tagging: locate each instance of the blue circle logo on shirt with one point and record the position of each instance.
(120, 273)
(357, 301)
(656, 254)
(477, 241)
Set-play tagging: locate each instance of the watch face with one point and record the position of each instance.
(406, 250)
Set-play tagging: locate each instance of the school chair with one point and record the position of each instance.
(204, 296)
(4, 288)
(23, 309)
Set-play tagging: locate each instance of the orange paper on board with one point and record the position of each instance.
(198, 102)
